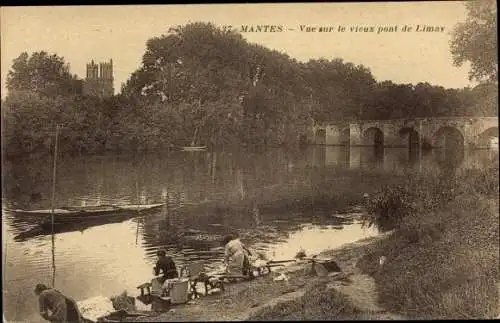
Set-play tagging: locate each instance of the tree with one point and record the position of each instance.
(42, 73)
(475, 40)
(485, 100)
(207, 74)
(29, 119)
(342, 89)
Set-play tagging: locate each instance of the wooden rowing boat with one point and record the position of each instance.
(75, 214)
(69, 211)
(194, 148)
(85, 211)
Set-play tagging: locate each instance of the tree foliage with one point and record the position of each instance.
(342, 90)
(42, 73)
(475, 40)
(221, 85)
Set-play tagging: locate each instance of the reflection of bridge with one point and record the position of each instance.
(400, 160)
(473, 132)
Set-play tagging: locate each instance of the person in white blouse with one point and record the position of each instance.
(236, 257)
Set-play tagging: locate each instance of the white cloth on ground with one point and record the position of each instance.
(95, 307)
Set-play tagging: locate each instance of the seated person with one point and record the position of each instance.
(166, 265)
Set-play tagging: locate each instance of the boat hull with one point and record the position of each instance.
(198, 148)
(71, 215)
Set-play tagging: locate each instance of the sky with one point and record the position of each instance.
(82, 33)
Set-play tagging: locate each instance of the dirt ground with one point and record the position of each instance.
(240, 300)
(235, 303)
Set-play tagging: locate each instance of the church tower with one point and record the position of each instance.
(99, 79)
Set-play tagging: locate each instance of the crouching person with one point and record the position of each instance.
(62, 309)
(237, 257)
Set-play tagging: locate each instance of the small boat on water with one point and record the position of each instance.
(194, 148)
(89, 210)
(72, 214)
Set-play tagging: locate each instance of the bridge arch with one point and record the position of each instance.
(486, 138)
(373, 136)
(449, 138)
(411, 136)
(320, 136)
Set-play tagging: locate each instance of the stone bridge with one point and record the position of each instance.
(469, 132)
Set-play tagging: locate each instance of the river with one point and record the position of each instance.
(110, 258)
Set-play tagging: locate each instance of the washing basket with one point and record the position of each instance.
(179, 291)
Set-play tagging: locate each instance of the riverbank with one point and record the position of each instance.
(440, 265)
(442, 259)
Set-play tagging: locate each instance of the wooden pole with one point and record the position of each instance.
(138, 202)
(53, 205)
(311, 173)
(5, 262)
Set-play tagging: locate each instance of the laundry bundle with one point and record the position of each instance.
(95, 307)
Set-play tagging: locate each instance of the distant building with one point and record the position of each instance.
(99, 80)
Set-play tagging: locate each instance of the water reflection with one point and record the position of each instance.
(105, 258)
(401, 159)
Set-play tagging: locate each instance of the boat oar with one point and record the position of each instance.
(228, 276)
(274, 265)
(313, 258)
(280, 261)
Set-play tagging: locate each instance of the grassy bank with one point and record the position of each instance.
(317, 303)
(442, 258)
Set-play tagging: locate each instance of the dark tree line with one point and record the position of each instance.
(200, 85)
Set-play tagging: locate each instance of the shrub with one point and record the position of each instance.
(419, 196)
(388, 208)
